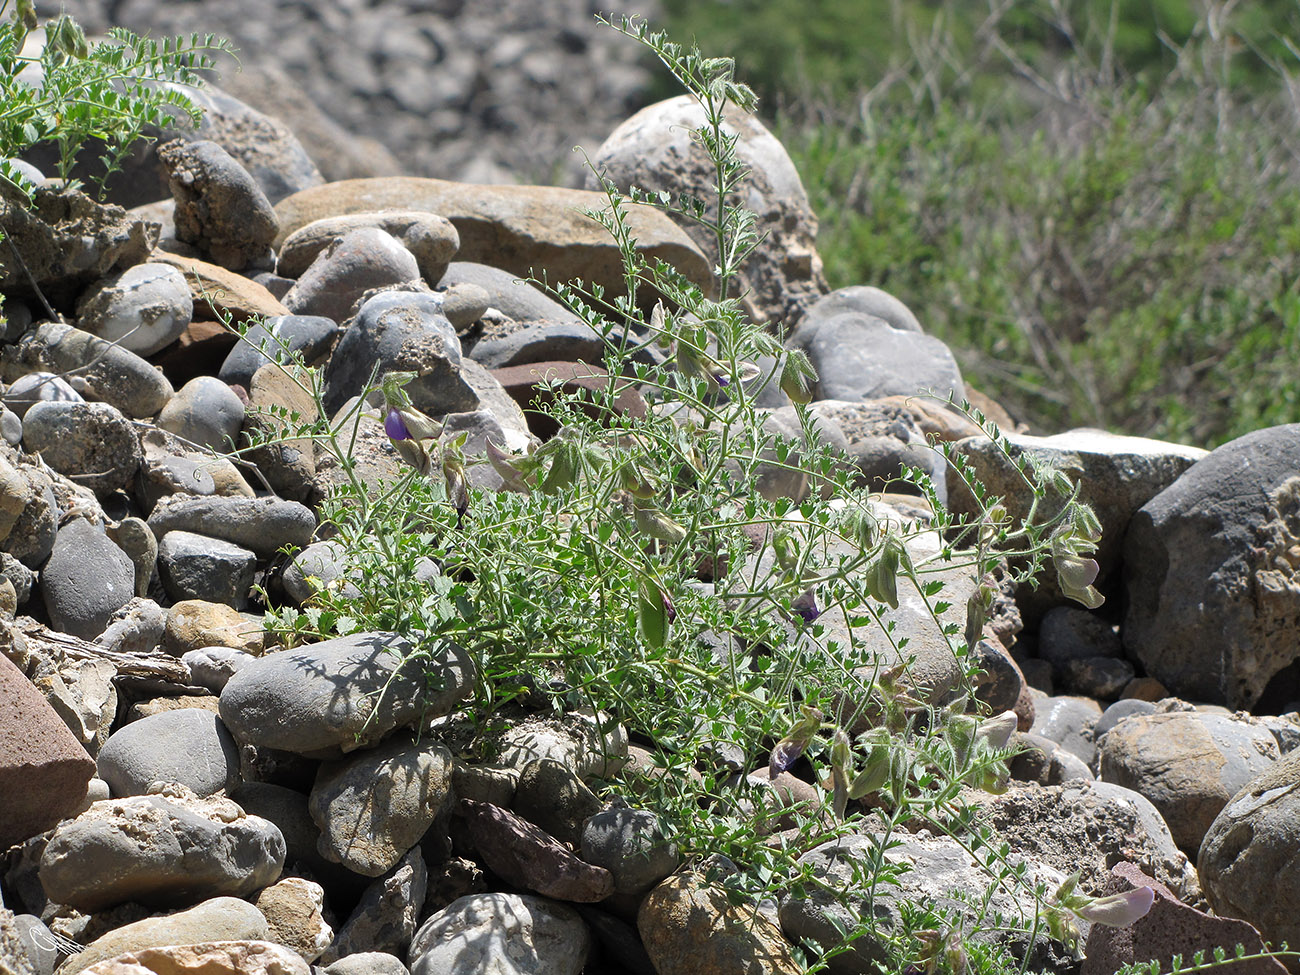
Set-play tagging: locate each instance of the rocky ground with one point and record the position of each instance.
(172, 795)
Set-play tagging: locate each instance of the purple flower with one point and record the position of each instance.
(805, 607)
(395, 426)
(721, 379)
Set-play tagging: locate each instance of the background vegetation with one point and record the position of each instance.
(1093, 201)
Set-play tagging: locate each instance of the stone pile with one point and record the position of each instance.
(174, 794)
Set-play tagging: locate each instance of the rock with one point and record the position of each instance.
(1213, 599)
(136, 627)
(1088, 826)
(533, 387)
(1249, 862)
(633, 845)
(82, 694)
(65, 240)
(162, 476)
(165, 705)
(212, 667)
(860, 357)
(349, 266)
(501, 934)
(1068, 721)
(133, 536)
(292, 908)
(1070, 633)
(592, 748)
(855, 299)
(278, 340)
(206, 412)
(654, 150)
(287, 809)
(280, 404)
(43, 768)
(401, 330)
(86, 580)
(521, 302)
(550, 795)
(940, 869)
(161, 851)
(386, 917)
(210, 958)
(1001, 683)
(218, 919)
(1103, 678)
(34, 953)
(263, 525)
(196, 623)
(38, 387)
(1116, 713)
(521, 229)
(429, 238)
(374, 805)
(339, 695)
(220, 209)
(689, 925)
(15, 493)
(99, 369)
(464, 304)
(143, 309)
(1170, 928)
(552, 341)
(881, 438)
(219, 293)
(368, 963)
(1188, 763)
(90, 442)
(198, 567)
(323, 561)
(189, 746)
(525, 856)
(31, 539)
(1043, 761)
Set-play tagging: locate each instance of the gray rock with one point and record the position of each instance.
(212, 667)
(568, 341)
(1068, 721)
(324, 561)
(1188, 763)
(38, 387)
(855, 299)
(280, 404)
(188, 746)
(263, 525)
(1103, 678)
(1070, 633)
(387, 915)
(505, 934)
(1043, 761)
(277, 340)
(161, 476)
(551, 795)
(1249, 862)
(199, 567)
(1116, 713)
(287, 809)
(86, 580)
(99, 369)
(480, 427)
(92, 443)
(860, 357)
(519, 301)
(881, 438)
(134, 537)
(37, 943)
(431, 239)
(11, 427)
(206, 412)
(144, 309)
(220, 208)
(31, 539)
(159, 851)
(464, 304)
(1214, 603)
(342, 694)
(633, 845)
(401, 330)
(135, 627)
(347, 268)
(374, 805)
(368, 963)
(19, 576)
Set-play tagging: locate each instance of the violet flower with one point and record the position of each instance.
(805, 606)
(395, 426)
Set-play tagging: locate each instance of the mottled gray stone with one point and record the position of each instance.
(633, 845)
(505, 934)
(212, 667)
(144, 309)
(92, 443)
(199, 567)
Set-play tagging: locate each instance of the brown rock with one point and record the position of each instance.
(431, 239)
(690, 927)
(196, 623)
(43, 768)
(212, 958)
(1170, 928)
(220, 292)
(292, 908)
(529, 386)
(522, 229)
(523, 855)
(288, 465)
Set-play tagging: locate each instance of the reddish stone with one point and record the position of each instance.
(1170, 928)
(530, 386)
(43, 768)
(524, 855)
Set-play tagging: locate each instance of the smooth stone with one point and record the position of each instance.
(209, 958)
(861, 357)
(212, 667)
(43, 768)
(133, 536)
(144, 309)
(264, 525)
(368, 963)
(189, 746)
(431, 239)
(858, 299)
(218, 919)
(592, 747)
(220, 208)
(100, 369)
(162, 476)
(352, 264)
(193, 624)
(38, 387)
(516, 299)
(293, 910)
(1068, 721)
(159, 851)
(222, 294)
(278, 339)
(549, 342)
(199, 567)
(280, 405)
(339, 695)
(35, 940)
(86, 580)
(93, 443)
(464, 304)
(287, 809)
(1070, 633)
(375, 804)
(321, 561)
(206, 412)
(501, 934)
(552, 796)
(1117, 712)
(633, 845)
(386, 917)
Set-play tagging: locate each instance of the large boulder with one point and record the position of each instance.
(1211, 570)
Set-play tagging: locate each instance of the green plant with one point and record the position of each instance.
(637, 570)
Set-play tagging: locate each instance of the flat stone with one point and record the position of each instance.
(212, 667)
(263, 525)
(210, 958)
(861, 357)
(38, 387)
(552, 796)
(189, 746)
